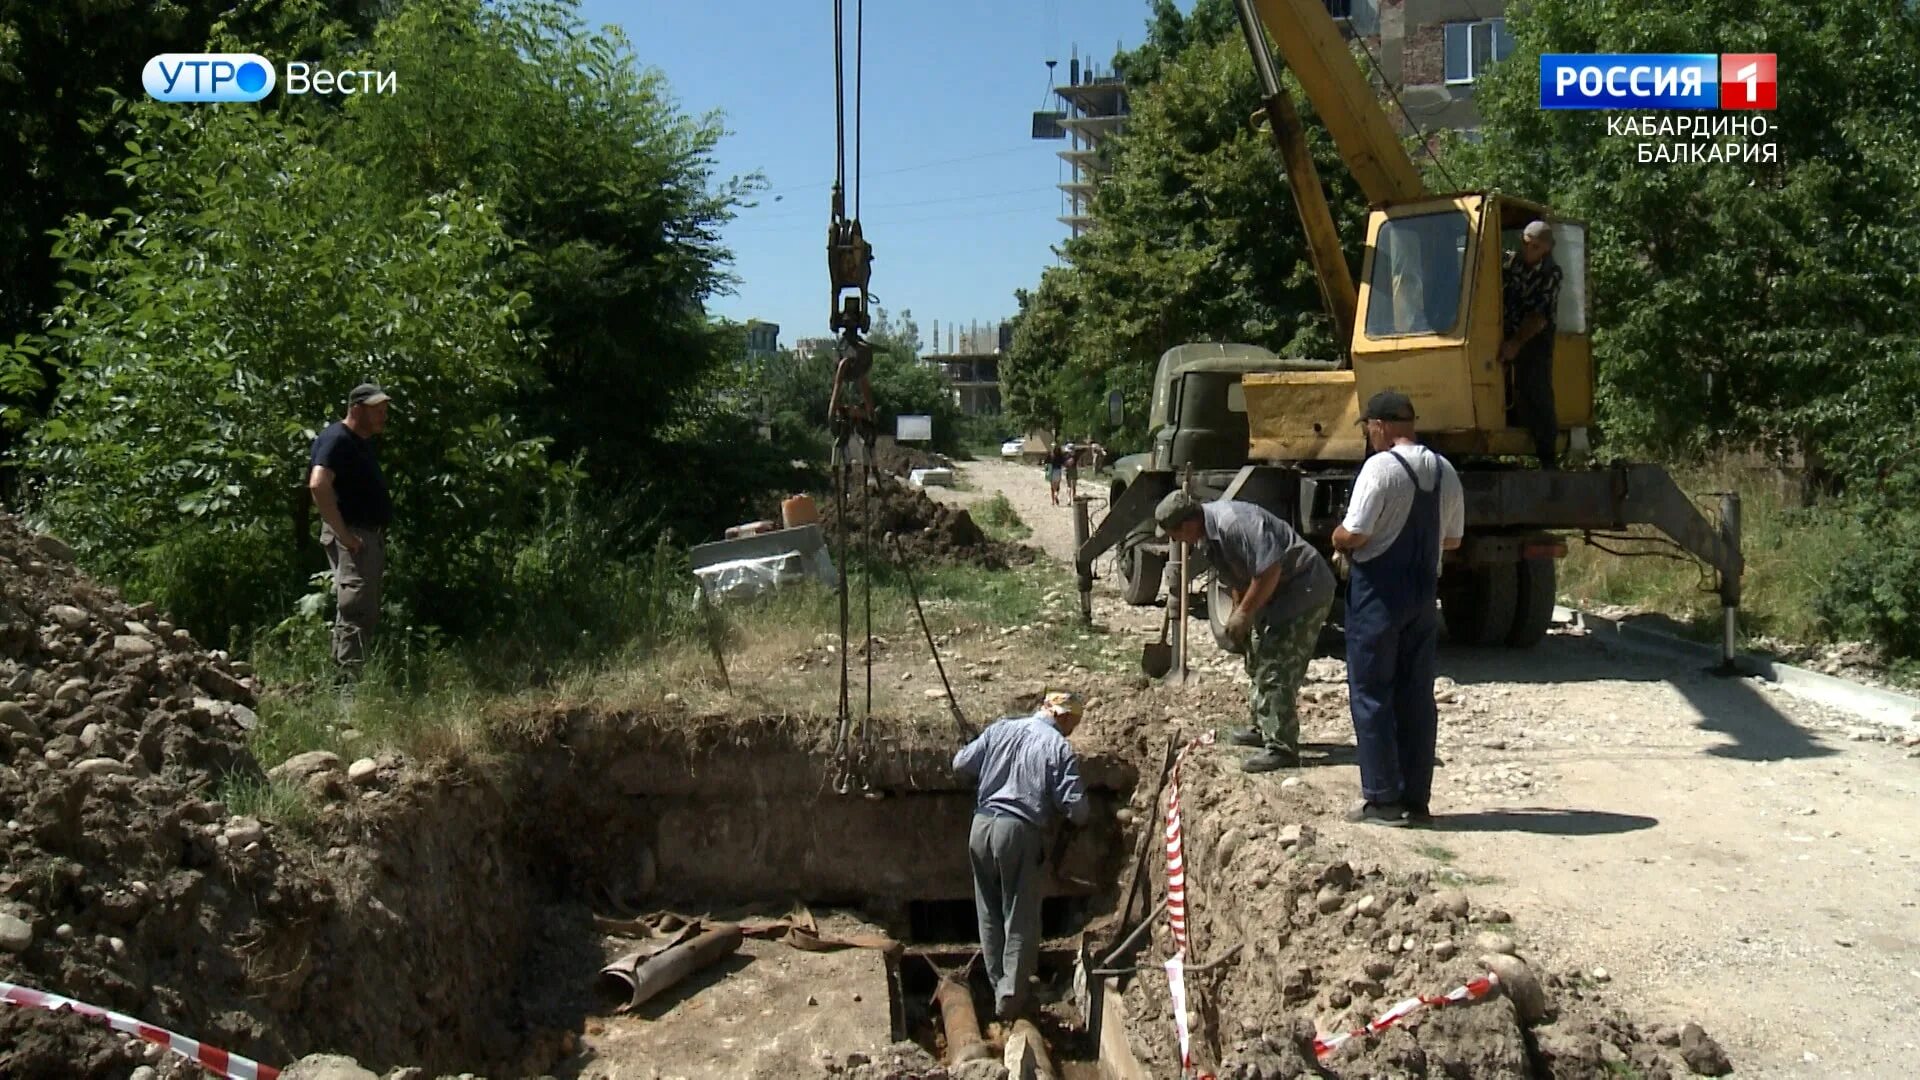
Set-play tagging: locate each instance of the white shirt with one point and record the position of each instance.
(1383, 496)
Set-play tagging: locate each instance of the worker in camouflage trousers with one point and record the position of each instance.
(1281, 590)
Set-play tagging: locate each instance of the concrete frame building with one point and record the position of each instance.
(971, 362)
(1095, 106)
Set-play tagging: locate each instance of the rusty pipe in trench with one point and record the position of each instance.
(645, 974)
(960, 1022)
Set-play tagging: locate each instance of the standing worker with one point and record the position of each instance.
(1530, 293)
(346, 485)
(1056, 462)
(1027, 777)
(1282, 590)
(1406, 509)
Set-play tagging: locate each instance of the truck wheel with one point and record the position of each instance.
(1140, 574)
(1219, 603)
(1533, 608)
(1478, 608)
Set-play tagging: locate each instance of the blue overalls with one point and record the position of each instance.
(1392, 629)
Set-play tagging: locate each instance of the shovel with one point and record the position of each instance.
(1156, 657)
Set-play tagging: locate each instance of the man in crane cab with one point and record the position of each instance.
(1530, 292)
(1281, 590)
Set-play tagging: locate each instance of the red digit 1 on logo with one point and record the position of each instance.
(1747, 81)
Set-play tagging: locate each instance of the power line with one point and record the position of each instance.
(760, 218)
(1411, 122)
(965, 215)
(904, 169)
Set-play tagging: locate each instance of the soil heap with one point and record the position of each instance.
(927, 530)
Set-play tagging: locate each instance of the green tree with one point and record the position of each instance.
(212, 325)
(1196, 237)
(1739, 304)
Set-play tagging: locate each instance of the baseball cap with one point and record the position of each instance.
(1064, 703)
(1177, 507)
(367, 394)
(1391, 405)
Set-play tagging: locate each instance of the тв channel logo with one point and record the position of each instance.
(207, 77)
(1658, 81)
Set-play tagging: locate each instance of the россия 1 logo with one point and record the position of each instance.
(207, 77)
(1658, 81)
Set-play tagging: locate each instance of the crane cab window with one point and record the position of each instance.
(1419, 263)
(1570, 255)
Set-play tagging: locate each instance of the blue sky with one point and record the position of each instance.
(958, 199)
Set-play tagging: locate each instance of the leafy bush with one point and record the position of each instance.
(998, 516)
(1878, 599)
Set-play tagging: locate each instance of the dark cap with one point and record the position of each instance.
(1176, 507)
(367, 394)
(1390, 405)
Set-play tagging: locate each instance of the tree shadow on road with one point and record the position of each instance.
(1543, 820)
(1733, 707)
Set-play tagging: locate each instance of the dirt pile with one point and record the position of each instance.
(897, 460)
(927, 530)
(1326, 946)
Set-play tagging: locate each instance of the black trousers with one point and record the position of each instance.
(1533, 398)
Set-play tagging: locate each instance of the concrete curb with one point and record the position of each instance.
(1870, 703)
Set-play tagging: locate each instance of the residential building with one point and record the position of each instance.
(763, 339)
(1430, 53)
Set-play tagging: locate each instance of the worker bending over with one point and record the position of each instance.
(1281, 591)
(1027, 778)
(1406, 509)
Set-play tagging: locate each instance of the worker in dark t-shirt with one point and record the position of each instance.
(346, 485)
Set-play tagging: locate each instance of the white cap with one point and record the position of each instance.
(1537, 230)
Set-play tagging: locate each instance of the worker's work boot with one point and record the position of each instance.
(1246, 736)
(1271, 758)
(1391, 815)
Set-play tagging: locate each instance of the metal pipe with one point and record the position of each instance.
(1730, 579)
(1081, 529)
(1042, 1062)
(959, 1021)
(1128, 941)
(663, 969)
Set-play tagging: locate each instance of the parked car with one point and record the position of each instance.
(1012, 447)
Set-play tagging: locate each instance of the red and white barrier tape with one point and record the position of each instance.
(1459, 995)
(207, 1057)
(1177, 905)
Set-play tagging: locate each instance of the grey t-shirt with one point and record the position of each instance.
(1244, 540)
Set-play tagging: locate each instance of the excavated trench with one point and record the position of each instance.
(727, 820)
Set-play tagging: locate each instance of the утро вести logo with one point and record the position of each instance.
(207, 77)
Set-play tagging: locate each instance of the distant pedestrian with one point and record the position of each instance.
(1072, 466)
(347, 487)
(1282, 590)
(1027, 778)
(1056, 464)
(1407, 507)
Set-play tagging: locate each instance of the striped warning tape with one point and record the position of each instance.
(1177, 905)
(207, 1057)
(1474, 990)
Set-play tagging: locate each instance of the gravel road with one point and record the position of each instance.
(1712, 848)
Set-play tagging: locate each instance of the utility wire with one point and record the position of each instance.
(1411, 122)
(758, 218)
(783, 192)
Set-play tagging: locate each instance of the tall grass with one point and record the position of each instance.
(1791, 555)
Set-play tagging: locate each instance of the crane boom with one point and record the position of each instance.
(1312, 47)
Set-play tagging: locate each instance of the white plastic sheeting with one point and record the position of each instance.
(741, 579)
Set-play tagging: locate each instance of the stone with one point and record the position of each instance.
(363, 772)
(14, 718)
(981, 1069)
(71, 690)
(64, 931)
(1453, 902)
(1444, 950)
(130, 645)
(102, 766)
(1490, 941)
(1329, 900)
(934, 693)
(1369, 905)
(68, 616)
(1521, 985)
(1366, 986)
(53, 547)
(1497, 916)
(1701, 1053)
(1601, 974)
(673, 699)
(245, 717)
(1291, 835)
(1379, 969)
(300, 768)
(144, 1072)
(1290, 782)
(326, 1067)
(1229, 843)
(15, 934)
(242, 831)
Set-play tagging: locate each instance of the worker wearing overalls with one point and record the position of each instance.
(1406, 508)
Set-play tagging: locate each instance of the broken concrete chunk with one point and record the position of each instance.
(133, 646)
(326, 1067)
(300, 768)
(242, 831)
(363, 772)
(68, 616)
(1489, 941)
(1701, 1053)
(71, 690)
(103, 766)
(15, 934)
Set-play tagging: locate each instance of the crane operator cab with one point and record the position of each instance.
(1430, 324)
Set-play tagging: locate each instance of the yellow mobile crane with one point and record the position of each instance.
(1425, 319)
